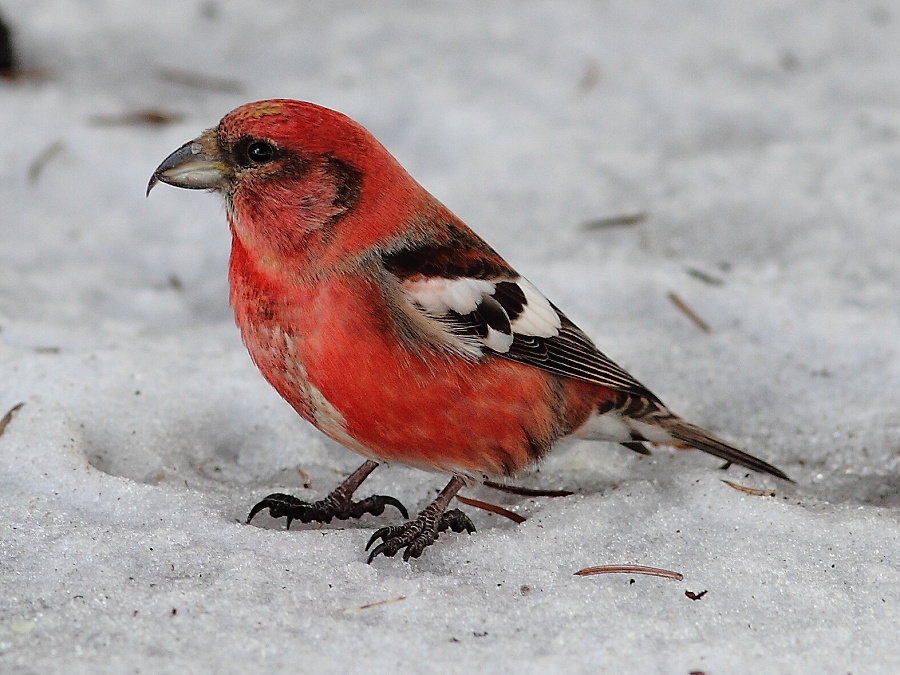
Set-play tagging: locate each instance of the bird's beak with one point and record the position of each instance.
(196, 165)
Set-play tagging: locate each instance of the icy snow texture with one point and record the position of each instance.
(762, 140)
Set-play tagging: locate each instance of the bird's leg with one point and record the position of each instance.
(417, 534)
(337, 504)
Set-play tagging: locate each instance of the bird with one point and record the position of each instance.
(396, 330)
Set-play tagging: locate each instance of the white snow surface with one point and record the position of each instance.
(760, 139)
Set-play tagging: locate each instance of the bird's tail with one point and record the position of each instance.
(703, 440)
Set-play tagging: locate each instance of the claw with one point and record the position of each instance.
(275, 503)
(385, 500)
(386, 534)
(416, 549)
(381, 548)
(417, 535)
(324, 510)
(457, 521)
(256, 509)
(375, 505)
(380, 533)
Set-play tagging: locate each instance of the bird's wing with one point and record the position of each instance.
(490, 310)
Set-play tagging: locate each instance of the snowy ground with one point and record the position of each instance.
(761, 140)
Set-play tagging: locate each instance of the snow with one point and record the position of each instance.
(761, 140)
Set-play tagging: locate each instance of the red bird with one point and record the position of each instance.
(395, 329)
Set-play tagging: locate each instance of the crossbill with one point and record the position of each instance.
(393, 328)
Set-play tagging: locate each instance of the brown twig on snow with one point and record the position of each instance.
(493, 508)
(615, 221)
(630, 569)
(526, 492)
(688, 312)
(371, 605)
(704, 277)
(37, 166)
(8, 416)
(749, 490)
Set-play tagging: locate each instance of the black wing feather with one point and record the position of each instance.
(573, 354)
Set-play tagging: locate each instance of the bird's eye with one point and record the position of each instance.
(260, 152)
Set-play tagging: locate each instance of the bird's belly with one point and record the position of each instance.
(436, 412)
(444, 418)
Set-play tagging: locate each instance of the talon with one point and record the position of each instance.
(396, 504)
(335, 505)
(275, 503)
(381, 548)
(256, 509)
(380, 533)
(418, 534)
(418, 546)
(374, 505)
(457, 521)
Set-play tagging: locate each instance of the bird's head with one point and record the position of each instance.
(296, 176)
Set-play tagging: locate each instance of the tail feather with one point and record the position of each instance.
(703, 440)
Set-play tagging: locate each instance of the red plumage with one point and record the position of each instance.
(392, 327)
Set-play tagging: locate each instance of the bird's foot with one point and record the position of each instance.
(417, 534)
(335, 505)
